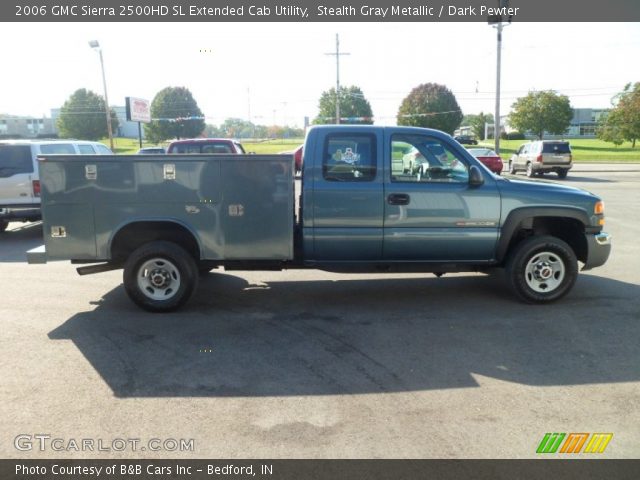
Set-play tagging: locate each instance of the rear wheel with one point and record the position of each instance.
(3, 225)
(542, 269)
(530, 171)
(160, 276)
(562, 173)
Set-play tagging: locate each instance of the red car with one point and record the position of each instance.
(489, 158)
(297, 157)
(205, 145)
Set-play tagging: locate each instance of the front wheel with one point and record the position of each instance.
(542, 269)
(3, 225)
(512, 168)
(160, 276)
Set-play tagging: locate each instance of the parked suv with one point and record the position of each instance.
(205, 145)
(542, 156)
(19, 179)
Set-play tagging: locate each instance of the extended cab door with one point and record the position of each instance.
(347, 202)
(432, 213)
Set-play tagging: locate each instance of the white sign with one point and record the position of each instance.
(138, 110)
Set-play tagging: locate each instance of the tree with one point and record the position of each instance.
(476, 122)
(610, 128)
(540, 112)
(623, 121)
(83, 116)
(354, 107)
(430, 105)
(237, 128)
(176, 115)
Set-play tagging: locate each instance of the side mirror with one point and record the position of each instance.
(475, 176)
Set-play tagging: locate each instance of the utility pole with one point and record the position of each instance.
(337, 54)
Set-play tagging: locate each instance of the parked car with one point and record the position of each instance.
(151, 151)
(466, 140)
(542, 156)
(297, 157)
(489, 158)
(205, 145)
(19, 178)
(413, 160)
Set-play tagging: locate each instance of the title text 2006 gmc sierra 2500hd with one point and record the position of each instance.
(380, 199)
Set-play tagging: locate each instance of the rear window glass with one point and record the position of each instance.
(15, 159)
(556, 148)
(54, 148)
(217, 148)
(349, 157)
(185, 148)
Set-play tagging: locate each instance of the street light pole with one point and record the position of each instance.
(496, 129)
(96, 46)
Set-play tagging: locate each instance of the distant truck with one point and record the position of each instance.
(165, 219)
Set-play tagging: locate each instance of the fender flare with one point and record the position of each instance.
(523, 215)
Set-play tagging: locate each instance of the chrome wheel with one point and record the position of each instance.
(158, 279)
(544, 272)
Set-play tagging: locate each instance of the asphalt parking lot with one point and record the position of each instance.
(307, 364)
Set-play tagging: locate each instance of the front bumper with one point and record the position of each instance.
(598, 250)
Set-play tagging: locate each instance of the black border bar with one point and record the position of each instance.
(319, 10)
(582, 469)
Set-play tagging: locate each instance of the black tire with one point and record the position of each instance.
(3, 225)
(529, 171)
(512, 168)
(562, 173)
(542, 269)
(158, 262)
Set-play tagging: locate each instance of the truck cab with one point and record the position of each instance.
(394, 195)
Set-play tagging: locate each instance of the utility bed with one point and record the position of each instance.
(237, 207)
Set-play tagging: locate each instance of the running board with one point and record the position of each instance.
(102, 267)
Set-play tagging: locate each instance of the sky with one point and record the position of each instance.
(274, 73)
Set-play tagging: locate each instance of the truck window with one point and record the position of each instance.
(53, 148)
(15, 159)
(186, 148)
(349, 157)
(417, 158)
(86, 150)
(217, 148)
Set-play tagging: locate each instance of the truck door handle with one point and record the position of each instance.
(398, 199)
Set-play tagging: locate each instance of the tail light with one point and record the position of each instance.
(539, 158)
(570, 157)
(36, 188)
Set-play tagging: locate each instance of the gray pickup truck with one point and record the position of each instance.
(371, 199)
